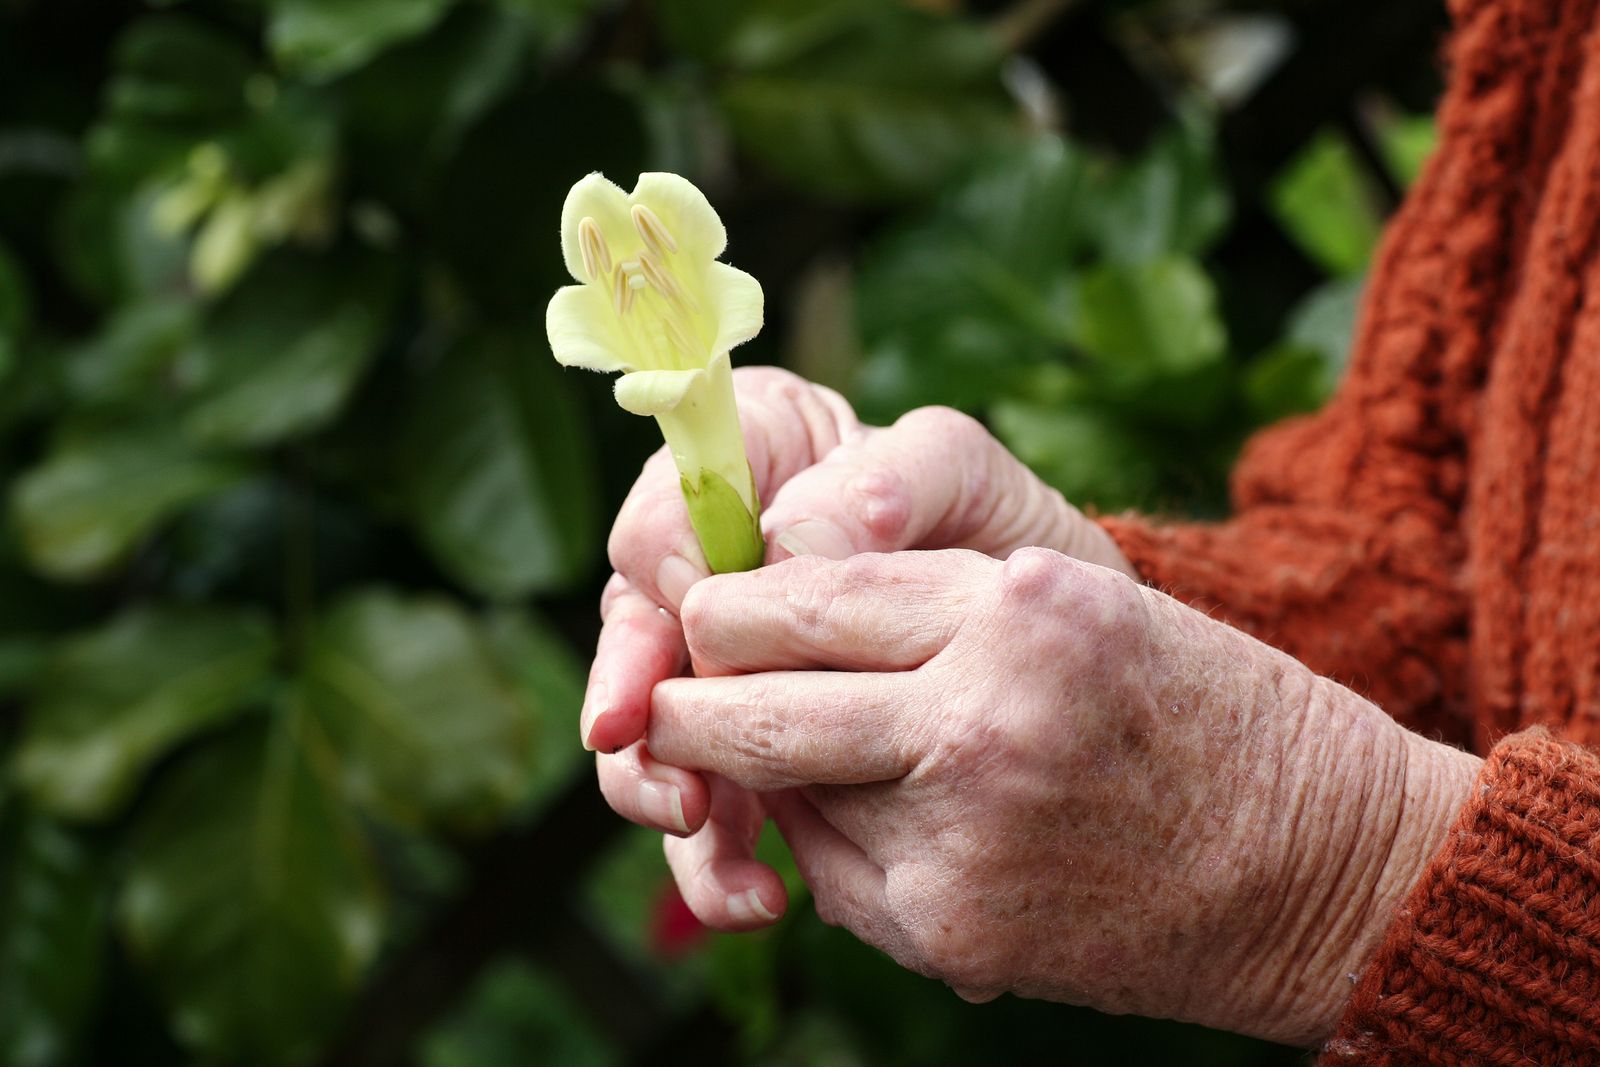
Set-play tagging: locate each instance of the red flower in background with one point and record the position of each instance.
(674, 931)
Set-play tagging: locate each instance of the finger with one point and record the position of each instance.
(716, 869)
(644, 790)
(868, 613)
(935, 479)
(640, 644)
(772, 731)
(788, 425)
(848, 888)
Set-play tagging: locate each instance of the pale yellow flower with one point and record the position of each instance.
(654, 303)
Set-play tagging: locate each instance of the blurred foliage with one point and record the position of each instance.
(304, 527)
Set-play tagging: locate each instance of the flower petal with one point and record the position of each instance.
(655, 392)
(583, 331)
(739, 305)
(594, 196)
(688, 215)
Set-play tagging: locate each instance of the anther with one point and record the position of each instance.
(621, 292)
(659, 277)
(596, 254)
(656, 236)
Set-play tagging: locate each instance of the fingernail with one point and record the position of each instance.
(595, 704)
(747, 907)
(674, 577)
(814, 537)
(662, 804)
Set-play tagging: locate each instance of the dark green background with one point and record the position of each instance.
(303, 526)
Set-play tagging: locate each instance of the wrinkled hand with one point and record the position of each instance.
(830, 487)
(1038, 776)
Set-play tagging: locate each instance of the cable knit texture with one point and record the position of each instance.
(1495, 958)
(1432, 539)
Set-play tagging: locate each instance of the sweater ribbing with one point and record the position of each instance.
(1432, 539)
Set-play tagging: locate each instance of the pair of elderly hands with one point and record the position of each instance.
(993, 753)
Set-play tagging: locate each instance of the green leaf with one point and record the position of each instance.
(498, 471)
(281, 354)
(960, 309)
(426, 727)
(113, 250)
(95, 498)
(549, 680)
(14, 310)
(1171, 201)
(839, 120)
(20, 661)
(1325, 321)
(320, 39)
(1300, 373)
(510, 1010)
(52, 938)
(1090, 456)
(109, 703)
(249, 898)
(1287, 379)
(1407, 141)
(757, 33)
(1325, 202)
(1031, 210)
(408, 109)
(1148, 319)
(177, 82)
(134, 354)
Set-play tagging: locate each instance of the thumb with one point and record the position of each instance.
(935, 479)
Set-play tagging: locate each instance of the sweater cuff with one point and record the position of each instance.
(1495, 956)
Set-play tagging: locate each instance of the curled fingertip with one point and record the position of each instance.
(662, 804)
(674, 575)
(747, 908)
(596, 702)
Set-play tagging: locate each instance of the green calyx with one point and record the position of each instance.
(730, 534)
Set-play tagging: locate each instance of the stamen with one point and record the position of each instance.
(637, 281)
(621, 292)
(596, 253)
(661, 278)
(656, 236)
(676, 337)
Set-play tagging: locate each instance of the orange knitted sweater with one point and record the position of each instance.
(1432, 539)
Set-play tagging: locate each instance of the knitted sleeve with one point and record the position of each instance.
(1346, 550)
(1495, 956)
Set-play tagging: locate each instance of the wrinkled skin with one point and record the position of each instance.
(1012, 768)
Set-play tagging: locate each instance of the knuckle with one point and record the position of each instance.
(945, 424)
(696, 612)
(938, 922)
(884, 503)
(616, 589)
(1038, 577)
(753, 381)
(1074, 605)
(953, 949)
(826, 907)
